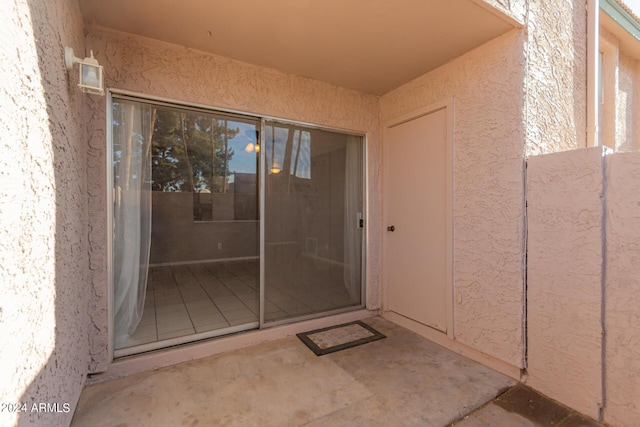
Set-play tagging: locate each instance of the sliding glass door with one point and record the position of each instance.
(313, 221)
(197, 253)
(185, 224)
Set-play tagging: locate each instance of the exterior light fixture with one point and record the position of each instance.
(91, 73)
(251, 147)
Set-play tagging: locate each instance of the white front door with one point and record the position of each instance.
(418, 219)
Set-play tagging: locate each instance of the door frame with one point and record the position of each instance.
(262, 324)
(448, 105)
(112, 353)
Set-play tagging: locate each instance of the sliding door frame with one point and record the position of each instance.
(142, 97)
(262, 204)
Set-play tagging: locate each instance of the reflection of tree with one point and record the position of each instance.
(128, 121)
(190, 152)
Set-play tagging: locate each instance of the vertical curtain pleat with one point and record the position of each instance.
(132, 215)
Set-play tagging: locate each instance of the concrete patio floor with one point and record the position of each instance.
(401, 380)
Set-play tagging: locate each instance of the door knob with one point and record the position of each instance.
(391, 228)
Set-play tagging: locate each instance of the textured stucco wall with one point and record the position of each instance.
(514, 9)
(488, 200)
(555, 102)
(621, 85)
(165, 70)
(609, 46)
(564, 276)
(43, 214)
(622, 297)
(627, 103)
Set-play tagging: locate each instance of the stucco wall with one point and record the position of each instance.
(622, 302)
(555, 101)
(609, 46)
(564, 277)
(488, 173)
(43, 214)
(627, 103)
(514, 9)
(620, 111)
(165, 70)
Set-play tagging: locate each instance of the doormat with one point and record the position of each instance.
(336, 338)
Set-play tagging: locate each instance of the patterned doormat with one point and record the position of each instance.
(336, 338)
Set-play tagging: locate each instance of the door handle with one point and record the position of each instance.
(391, 228)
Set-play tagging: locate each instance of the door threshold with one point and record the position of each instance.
(170, 356)
(185, 339)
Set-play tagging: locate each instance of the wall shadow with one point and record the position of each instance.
(56, 388)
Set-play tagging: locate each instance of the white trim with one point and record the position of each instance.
(109, 194)
(262, 192)
(448, 105)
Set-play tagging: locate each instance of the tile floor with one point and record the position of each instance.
(187, 299)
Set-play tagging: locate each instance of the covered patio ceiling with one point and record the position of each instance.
(368, 45)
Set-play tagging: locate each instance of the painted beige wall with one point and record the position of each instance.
(160, 69)
(573, 232)
(176, 238)
(43, 213)
(622, 302)
(627, 105)
(620, 111)
(487, 88)
(556, 82)
(607, 109)
(564, 277)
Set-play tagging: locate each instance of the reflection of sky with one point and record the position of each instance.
(242, 162)
(276, 143)
(634, 5)
(301, 161)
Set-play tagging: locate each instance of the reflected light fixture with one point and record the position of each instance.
(91, 73)
(251, 147)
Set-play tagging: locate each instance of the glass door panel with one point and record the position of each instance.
(313, 221)
(186, 223)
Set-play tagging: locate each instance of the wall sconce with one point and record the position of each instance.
(91, 73)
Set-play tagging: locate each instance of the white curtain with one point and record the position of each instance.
(132, 131)
(352, 208)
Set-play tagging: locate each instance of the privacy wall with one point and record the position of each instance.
(488, 201)
(583, 298)
(622, 291)
(564, 277)
(43, 214)
(164, 70)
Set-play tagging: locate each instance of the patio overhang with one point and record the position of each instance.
(371, 46)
